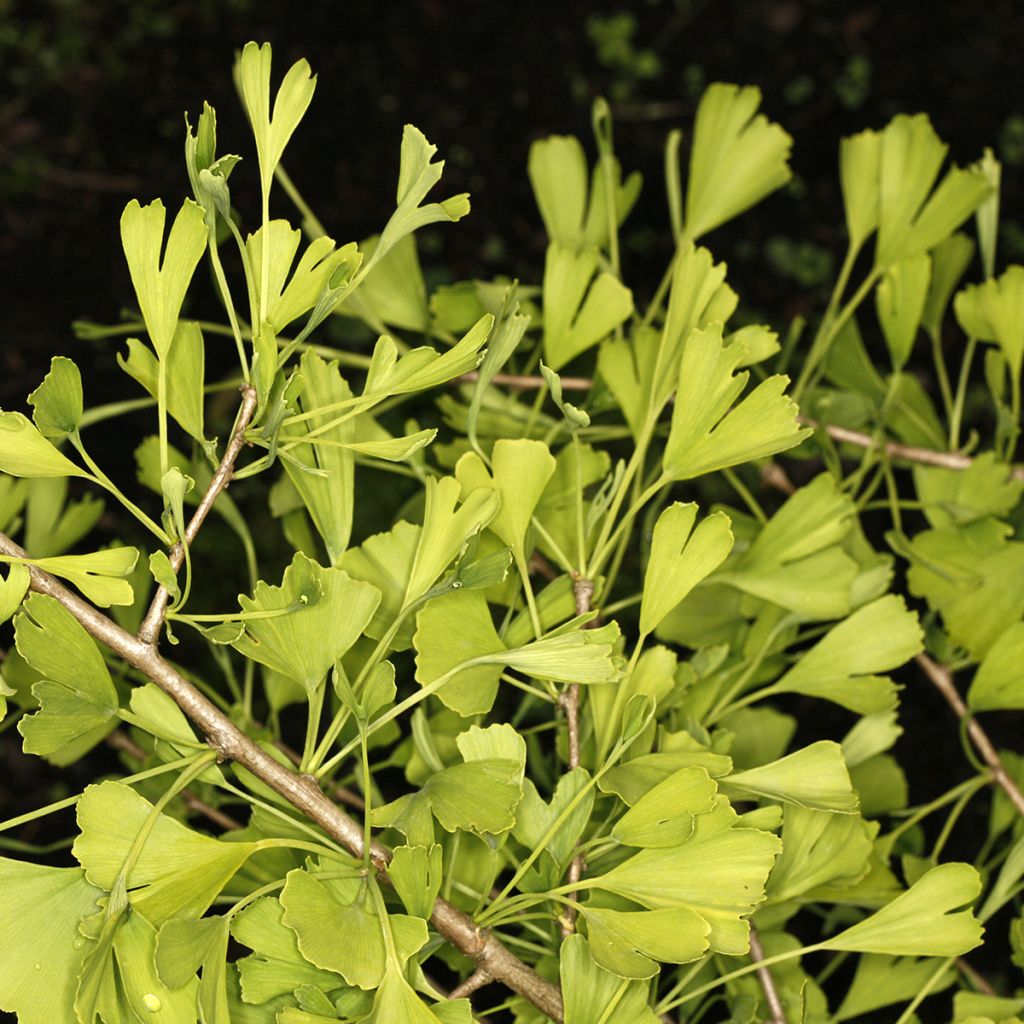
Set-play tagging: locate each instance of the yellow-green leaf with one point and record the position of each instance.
(815, 777)
(303, 626)
(160, 284)
(738, 157)
(631, 943)
(177, 872)
(998, 684)
(520, 471)
(450, 630)
(581, 304)
(57, 402)
(994, 311)
(900, 300)
(912, 218)
(923, 921)
(859, 157)
(25, 452)
(272, 129)
(48, 904)
(680, 558)
(664, 816)
(707, 432)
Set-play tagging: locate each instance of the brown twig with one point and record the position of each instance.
(540, 565)
(337, 790)
(907, 452)
(121, 741)
(530, 382)
(764, 976)
(150, 628)
(979, 981)
(583, 591)
(773, 475)
(478, 979)
(300, 791)
(942, 678)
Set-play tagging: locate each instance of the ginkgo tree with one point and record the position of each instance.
(595, 721)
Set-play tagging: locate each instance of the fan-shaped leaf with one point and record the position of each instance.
(923, 921)
(680, 558)
(314, 617)
(738, 157)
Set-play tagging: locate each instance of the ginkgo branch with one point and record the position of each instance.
(477, 980)
(150, 628)
(583, 591)
(942, 679)
(301, 791)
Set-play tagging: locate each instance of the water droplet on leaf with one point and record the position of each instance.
(151, 1002)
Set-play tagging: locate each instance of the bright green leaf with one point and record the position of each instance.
(998, 684)
(913, 218)
(815, 777)
(416, 873)
(13, 589)
(664, 816)
(25, 452)
(707, 432)
(578, 656)
(592, 993)
(900, 301)
(629, 943)
(680, 558)
(178, 872)
(994, 311)
(161, 284)
(57, 402)
(973, 576)
(819, 848)
(315, 616)
(859, 157)
(445, 530)
(581, 305)
(450, 630)
(275, 967)
(185, 946)
(319, 912)
(47, 903)
(76, 695)
(841, 666)
(272, 129)
(881, 981)
(721, 875)
(520, 471)
(185, 374)
(950, 260)
(328, 498)
(738, 157)
(558, 173)
(986, 487)
(921, 921)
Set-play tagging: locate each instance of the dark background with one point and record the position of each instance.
(92, 94)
